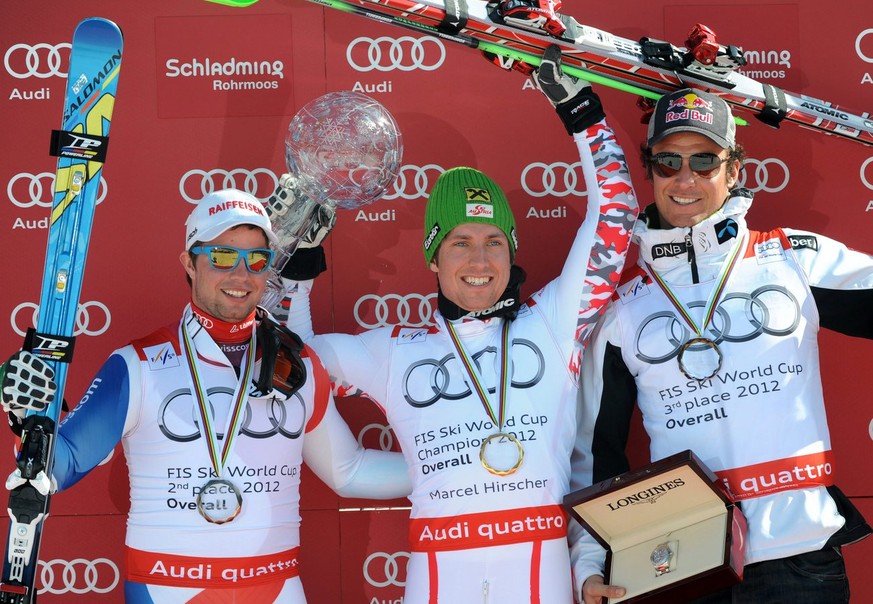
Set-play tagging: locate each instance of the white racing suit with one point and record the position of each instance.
(476, 536)
(142, 397)
(760, 422)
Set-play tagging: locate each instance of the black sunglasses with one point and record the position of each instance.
(667, 165)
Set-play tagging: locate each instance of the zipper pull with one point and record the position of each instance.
(692, 259)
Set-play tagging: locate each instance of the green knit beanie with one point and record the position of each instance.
(463, 195)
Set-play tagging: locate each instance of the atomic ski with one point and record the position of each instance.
(80, 145)
(518, 31)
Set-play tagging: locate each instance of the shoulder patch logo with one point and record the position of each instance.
(161, 356)
(799, 242)
(410, 335)
(633, 289)
(726, 230)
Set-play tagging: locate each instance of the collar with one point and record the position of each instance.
(666, 249)
(223, 331)
(506, 306)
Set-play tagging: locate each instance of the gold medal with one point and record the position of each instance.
(219, 501)
(699, 359)
(501, 454)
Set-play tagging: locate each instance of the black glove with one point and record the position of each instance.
(575, 101)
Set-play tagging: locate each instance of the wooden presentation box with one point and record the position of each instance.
(676, 502)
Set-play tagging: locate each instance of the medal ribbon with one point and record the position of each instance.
(240, 397)
(476, 384)
(714, 297)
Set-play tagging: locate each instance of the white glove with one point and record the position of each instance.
(27, 384)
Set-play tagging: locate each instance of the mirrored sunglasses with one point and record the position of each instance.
(225, 258)
(667, 165)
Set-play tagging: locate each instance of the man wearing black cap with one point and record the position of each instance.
(483, 402)
(713, 334)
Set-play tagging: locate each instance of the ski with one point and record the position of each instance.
(80, 145)
(518, 31)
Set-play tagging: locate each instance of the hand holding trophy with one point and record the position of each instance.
(343, 150)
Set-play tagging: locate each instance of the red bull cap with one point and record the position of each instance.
(690, 110)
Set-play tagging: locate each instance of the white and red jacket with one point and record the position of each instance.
(475, 536)
(760, 422)
(142, 397)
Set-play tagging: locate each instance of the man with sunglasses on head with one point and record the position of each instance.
(714, 336)
(216, 412)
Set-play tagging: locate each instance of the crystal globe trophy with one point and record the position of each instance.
(343, 151)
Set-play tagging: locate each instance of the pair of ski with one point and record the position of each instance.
(519, 31)
(80, 145)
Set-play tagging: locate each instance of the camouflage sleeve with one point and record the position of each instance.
(597, 257)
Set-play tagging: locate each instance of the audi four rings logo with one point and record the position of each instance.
(28, 190)
(429, 380)
(92, 318)
(764, 180)
(179, 417)
(196, 184)
(404, 53)
(386, 437)
(382, 569)
(37, 60)
(412, 182)
(867, 182)
(78, 576)
(558, 179)
(739, 317)
(861, 36)
(413, 310)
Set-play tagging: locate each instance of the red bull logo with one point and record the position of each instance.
(689, 101)
(689, 108)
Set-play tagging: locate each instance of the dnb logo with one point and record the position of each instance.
(40, 61)
(78, 576)
(385, 570)
(402, 54)
(196, 184)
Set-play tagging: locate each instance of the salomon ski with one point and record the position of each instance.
(518, 32)
(80, 145)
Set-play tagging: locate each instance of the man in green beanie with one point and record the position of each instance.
(483, 402)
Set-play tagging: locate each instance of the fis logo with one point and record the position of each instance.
(161, 356)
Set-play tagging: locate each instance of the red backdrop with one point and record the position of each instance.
(176, 136)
